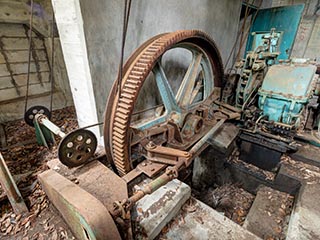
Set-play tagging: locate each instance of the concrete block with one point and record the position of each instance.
(264, 215)
(206, 223)
(305, 218)
(154, 211)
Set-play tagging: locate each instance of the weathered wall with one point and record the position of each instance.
(307, 43)
(14, 43)
(103, 28)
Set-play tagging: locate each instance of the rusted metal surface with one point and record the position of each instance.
(120, 108)
(150, 168)
(77, 147)
(87, 217)
(11, 189)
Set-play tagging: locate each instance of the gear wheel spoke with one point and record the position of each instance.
(145, 60)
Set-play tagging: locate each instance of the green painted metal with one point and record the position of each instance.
(285, 91)
(43, 134)
(285, 19)
(253, 67)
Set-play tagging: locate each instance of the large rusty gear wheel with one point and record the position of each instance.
(137, 68)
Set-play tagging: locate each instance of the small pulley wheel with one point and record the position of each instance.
(31, 113)
(77, 147)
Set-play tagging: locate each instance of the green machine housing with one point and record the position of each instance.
(286, 90)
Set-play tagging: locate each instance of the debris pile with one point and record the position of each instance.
(229, 199)
(307, 173)
(234, 158)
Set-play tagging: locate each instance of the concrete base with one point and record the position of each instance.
(305, 218)
(154, 211)
(205, 223)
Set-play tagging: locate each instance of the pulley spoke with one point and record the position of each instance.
(165, 90)
(185, 91)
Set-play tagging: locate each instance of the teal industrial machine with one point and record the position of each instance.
(277, 95)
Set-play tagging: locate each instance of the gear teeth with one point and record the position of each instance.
(118, 144)
(122, 116)
(139, 69)
(134, 74)
(118, 136)
(118, 149)
(119, 130)
(142, 65)
(132, 82)
(144, 60)
(124, 105)
(120, 125)
(124, 111)
(126, 100)
(129, 85)
(118, 154)
(126, 95)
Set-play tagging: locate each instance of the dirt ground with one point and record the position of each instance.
(26, 160)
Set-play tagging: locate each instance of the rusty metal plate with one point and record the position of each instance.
(151, 168)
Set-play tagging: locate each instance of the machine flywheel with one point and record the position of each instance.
(182, 105)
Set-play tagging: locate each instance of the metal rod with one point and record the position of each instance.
(11, 189)
(92, 125)
(52, 62)
(50, 125)
(29, 56)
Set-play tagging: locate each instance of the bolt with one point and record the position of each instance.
(186, 154)
(151, 145)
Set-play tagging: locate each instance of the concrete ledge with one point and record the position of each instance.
(206, 223)
(305, 218)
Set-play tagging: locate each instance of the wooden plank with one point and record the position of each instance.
(20, 43)
(21, 80)
(13, 30)
(4, 70)
(11, 93)
(22, 56)
(20, 68)
(11, 189)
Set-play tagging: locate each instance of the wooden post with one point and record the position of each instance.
(11, 189)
